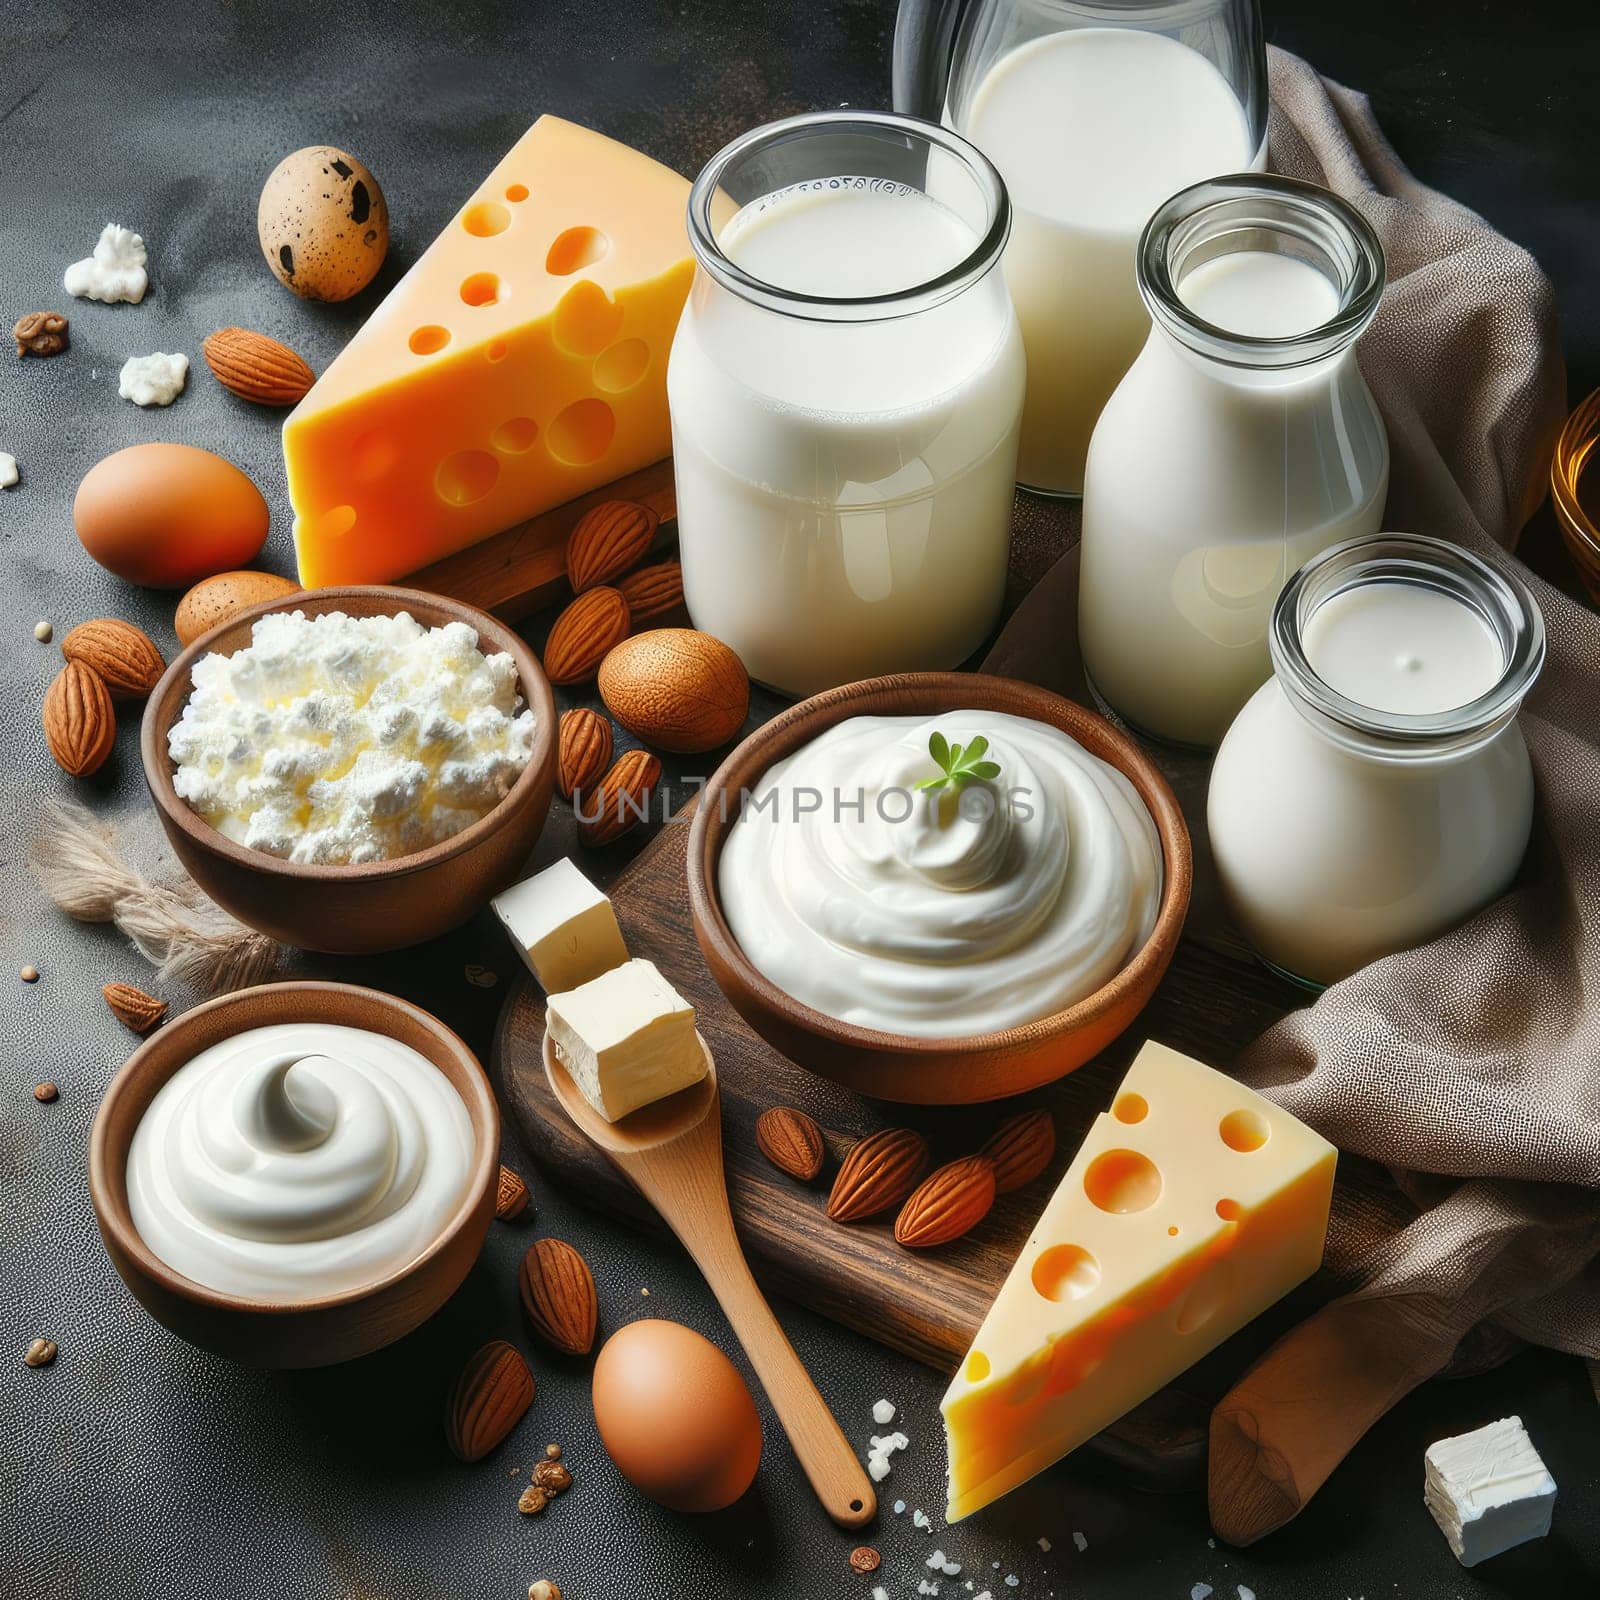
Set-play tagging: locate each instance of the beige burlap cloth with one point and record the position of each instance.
(1471, 1067)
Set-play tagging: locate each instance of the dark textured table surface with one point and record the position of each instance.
(136, 1466)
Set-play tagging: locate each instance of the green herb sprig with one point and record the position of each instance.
(959, 765)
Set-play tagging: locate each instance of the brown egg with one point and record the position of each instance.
(167, 515)
(215, 600)
(675, 1416)
(323, 223)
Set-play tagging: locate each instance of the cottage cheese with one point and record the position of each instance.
(115, 272)
(154, 380)
(334, 739)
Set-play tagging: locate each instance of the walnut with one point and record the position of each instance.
(552, 1477)
(543, 1589)
(40, 333)
(533, 1500)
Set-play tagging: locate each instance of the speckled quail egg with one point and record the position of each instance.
(324, 223)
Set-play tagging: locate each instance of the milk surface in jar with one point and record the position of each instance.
(1377, 790)
(1092, 128)
(845, 389)
(1242, 442)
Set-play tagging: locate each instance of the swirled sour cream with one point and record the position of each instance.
(299, 1160)
(946, 914)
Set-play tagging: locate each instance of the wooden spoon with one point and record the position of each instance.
(671, 1152)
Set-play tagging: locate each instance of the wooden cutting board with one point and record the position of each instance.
(928, 1304)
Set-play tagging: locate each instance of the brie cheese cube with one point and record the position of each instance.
(1488, 1490)
(627, 1037)
(565, 928)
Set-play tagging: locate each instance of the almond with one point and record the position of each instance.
(621, 800)
(791, 1141)
(595, 622)
(80, 725)
(510, 1196)
(608, 539)
(257, 368)
(652, 591)
(124, 656)
(947, 1204)
(878, 1173)
(558, 1295)
(489, 1399)
(1021, 1148)
(583, 750)
(134, 1008)
(676, 689)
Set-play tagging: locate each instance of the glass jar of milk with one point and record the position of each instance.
(1094, 111)
(845, 385)
(1377, 790)
(1242, 441)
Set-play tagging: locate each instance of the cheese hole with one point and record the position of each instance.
(1229, 1210)
(1131, 1107)
(485, 219)
(577, 247)
(622, 366)
(334, 523)
(586, 320)
(1244, 1130)
(1121, 1181)
(582, 433)
(517, 192)
(481, 289)
(1172, 1233)
(498, 350)
(976, 1368)
(424, 341)
(373, 456)
(1065, 1272)
(513, 437)
(466, 476)
(1206, 1297)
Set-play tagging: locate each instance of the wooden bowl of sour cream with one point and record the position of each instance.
(959, 1067)
(286, 1329)
(371, 906)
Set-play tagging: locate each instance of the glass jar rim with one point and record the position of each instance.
(1237, 203)
(1502, 601)
(867, 308)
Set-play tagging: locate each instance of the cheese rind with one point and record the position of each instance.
(1488, 1490)
(1192, 1205)
(519, 363)
(565, 928)
(627, 1038)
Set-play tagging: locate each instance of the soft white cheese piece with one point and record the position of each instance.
(1488, 1490)
(565, 928)
(116, 270)
(153, 380)
(627, 1037)
(8, 470)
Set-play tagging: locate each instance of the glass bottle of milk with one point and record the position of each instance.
(846, 384)
(1241, 442)
(1095, 111)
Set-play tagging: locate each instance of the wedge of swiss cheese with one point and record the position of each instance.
(521, 362)
(1192, 1206)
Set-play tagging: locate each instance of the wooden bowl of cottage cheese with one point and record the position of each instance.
(348, 784)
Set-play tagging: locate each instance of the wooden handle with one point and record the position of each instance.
(825, 1454)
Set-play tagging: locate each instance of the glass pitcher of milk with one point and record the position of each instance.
(845, 384)
(1095, 111)
(1242, 441)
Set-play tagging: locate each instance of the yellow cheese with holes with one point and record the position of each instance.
(521, 362)
(1192, 1206)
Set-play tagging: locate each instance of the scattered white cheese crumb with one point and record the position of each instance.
(643, 1290)
(153, 380)
(1012, 1580)
(882, 1447)
(1044, 1544)
(1246, 1593)
(939, 1562)
(883, 1412)
(1200, 1591)
(984, 1596)
(920, 1518)
(899, 1507)
(116, 270)
(1211, 1544)
(880, 1593)
(8, 470)
(924, 1587)
(1079, 1540)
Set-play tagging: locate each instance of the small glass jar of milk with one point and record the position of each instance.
(1241, 442)
(846, 385)
(1095, 111)
(1376, 790)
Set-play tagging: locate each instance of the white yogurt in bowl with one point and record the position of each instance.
(949, 914)
(298, 1161)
